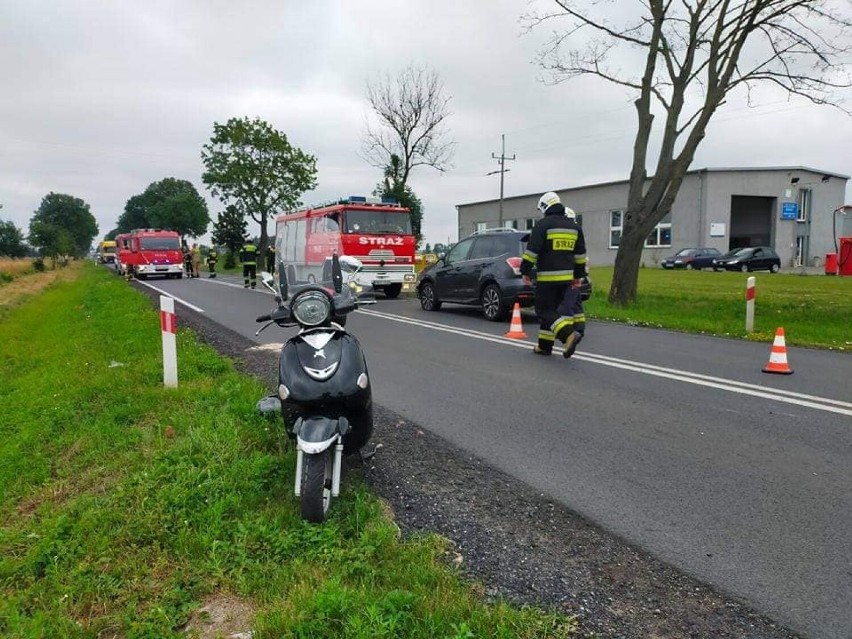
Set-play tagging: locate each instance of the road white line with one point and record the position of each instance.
(218, 282)
(177, 299)
(754, 390)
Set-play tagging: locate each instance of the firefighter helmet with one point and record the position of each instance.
(547, 200)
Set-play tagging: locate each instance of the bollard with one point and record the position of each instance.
(168, 326)
(750, 304)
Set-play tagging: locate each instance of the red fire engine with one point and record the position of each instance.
(377, 232)
(148, 252)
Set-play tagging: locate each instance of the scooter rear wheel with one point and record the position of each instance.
(316, 486)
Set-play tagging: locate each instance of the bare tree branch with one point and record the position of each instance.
(412, 112)
(694, 51)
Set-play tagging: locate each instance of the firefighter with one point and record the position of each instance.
(212, 258)
(557, 249)
(270, 259)
(187, 260)
(248, 257)
(196, 260)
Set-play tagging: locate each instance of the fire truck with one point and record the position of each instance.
(376, 231)
(149, 252)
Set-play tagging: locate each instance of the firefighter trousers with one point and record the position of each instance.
(249, 275)
(560, 311)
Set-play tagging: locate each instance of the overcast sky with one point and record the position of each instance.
(101, 98)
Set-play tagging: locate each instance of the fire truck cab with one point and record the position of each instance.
(376, 231)
(149, 252)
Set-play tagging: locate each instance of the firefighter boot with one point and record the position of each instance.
(571, 342)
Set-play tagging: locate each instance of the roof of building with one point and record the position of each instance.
(693, 171)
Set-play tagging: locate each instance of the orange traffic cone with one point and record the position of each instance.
(778, 356)
(516, 328)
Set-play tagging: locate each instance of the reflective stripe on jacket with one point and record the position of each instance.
(556, 248)
(249, 255)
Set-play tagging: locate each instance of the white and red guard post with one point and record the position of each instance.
(750, 304)
(168, 326)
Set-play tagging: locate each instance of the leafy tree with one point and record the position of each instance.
(63, 225)
(135, 215)
(253, 167)
(52, 240)
(176, 204)
(11, 240)
(230, 231)
(393, 186)
(412, 113)
(694, 53)
(170, 204)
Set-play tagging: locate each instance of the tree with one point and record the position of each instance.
(170, 204)
(175, 204)
(253, 167)
(11, 240)
(412, 113)
(135, 215)
(63, 225)
(393, 186)
(694, 53)
(230, 231)
(52, 240)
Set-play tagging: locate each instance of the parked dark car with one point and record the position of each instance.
(483, 270)
(692, 258)
(756, 258)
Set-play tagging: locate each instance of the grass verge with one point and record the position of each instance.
(124, 505)
(813, 310)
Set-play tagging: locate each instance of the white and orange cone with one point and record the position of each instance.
(516, 328)
(778, 356)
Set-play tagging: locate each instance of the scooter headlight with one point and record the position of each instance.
(311, 308)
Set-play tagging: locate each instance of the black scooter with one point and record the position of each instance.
(324, 393)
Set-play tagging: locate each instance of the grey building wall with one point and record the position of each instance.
(706, 202)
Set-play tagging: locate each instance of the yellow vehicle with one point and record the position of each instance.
(422, 260)
(106, 252)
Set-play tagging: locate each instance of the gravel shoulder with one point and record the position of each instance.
(520, 545)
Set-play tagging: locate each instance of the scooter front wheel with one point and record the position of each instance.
(316, 486)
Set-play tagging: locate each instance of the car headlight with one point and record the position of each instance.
(311, 308)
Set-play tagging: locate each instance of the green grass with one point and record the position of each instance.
(814, 311)
(123, 504)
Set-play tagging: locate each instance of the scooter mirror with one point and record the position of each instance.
(336, 273)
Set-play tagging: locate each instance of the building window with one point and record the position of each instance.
(510, 224)
(529, 223)
(662, 233)
(804, 213)
(616, 219)
(479, 226)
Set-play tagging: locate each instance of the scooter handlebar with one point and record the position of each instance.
(264, 318)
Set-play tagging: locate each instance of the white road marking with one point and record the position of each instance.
(177, 299)
(754, 390)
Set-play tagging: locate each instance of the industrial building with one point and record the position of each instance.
(796, 210)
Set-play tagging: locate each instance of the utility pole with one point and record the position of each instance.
(501, 160)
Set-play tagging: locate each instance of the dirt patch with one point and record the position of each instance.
(222, 616)
(26, 286)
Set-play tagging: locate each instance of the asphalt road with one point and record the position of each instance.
(678, 443)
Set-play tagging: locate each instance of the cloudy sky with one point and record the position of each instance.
(102, 97)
